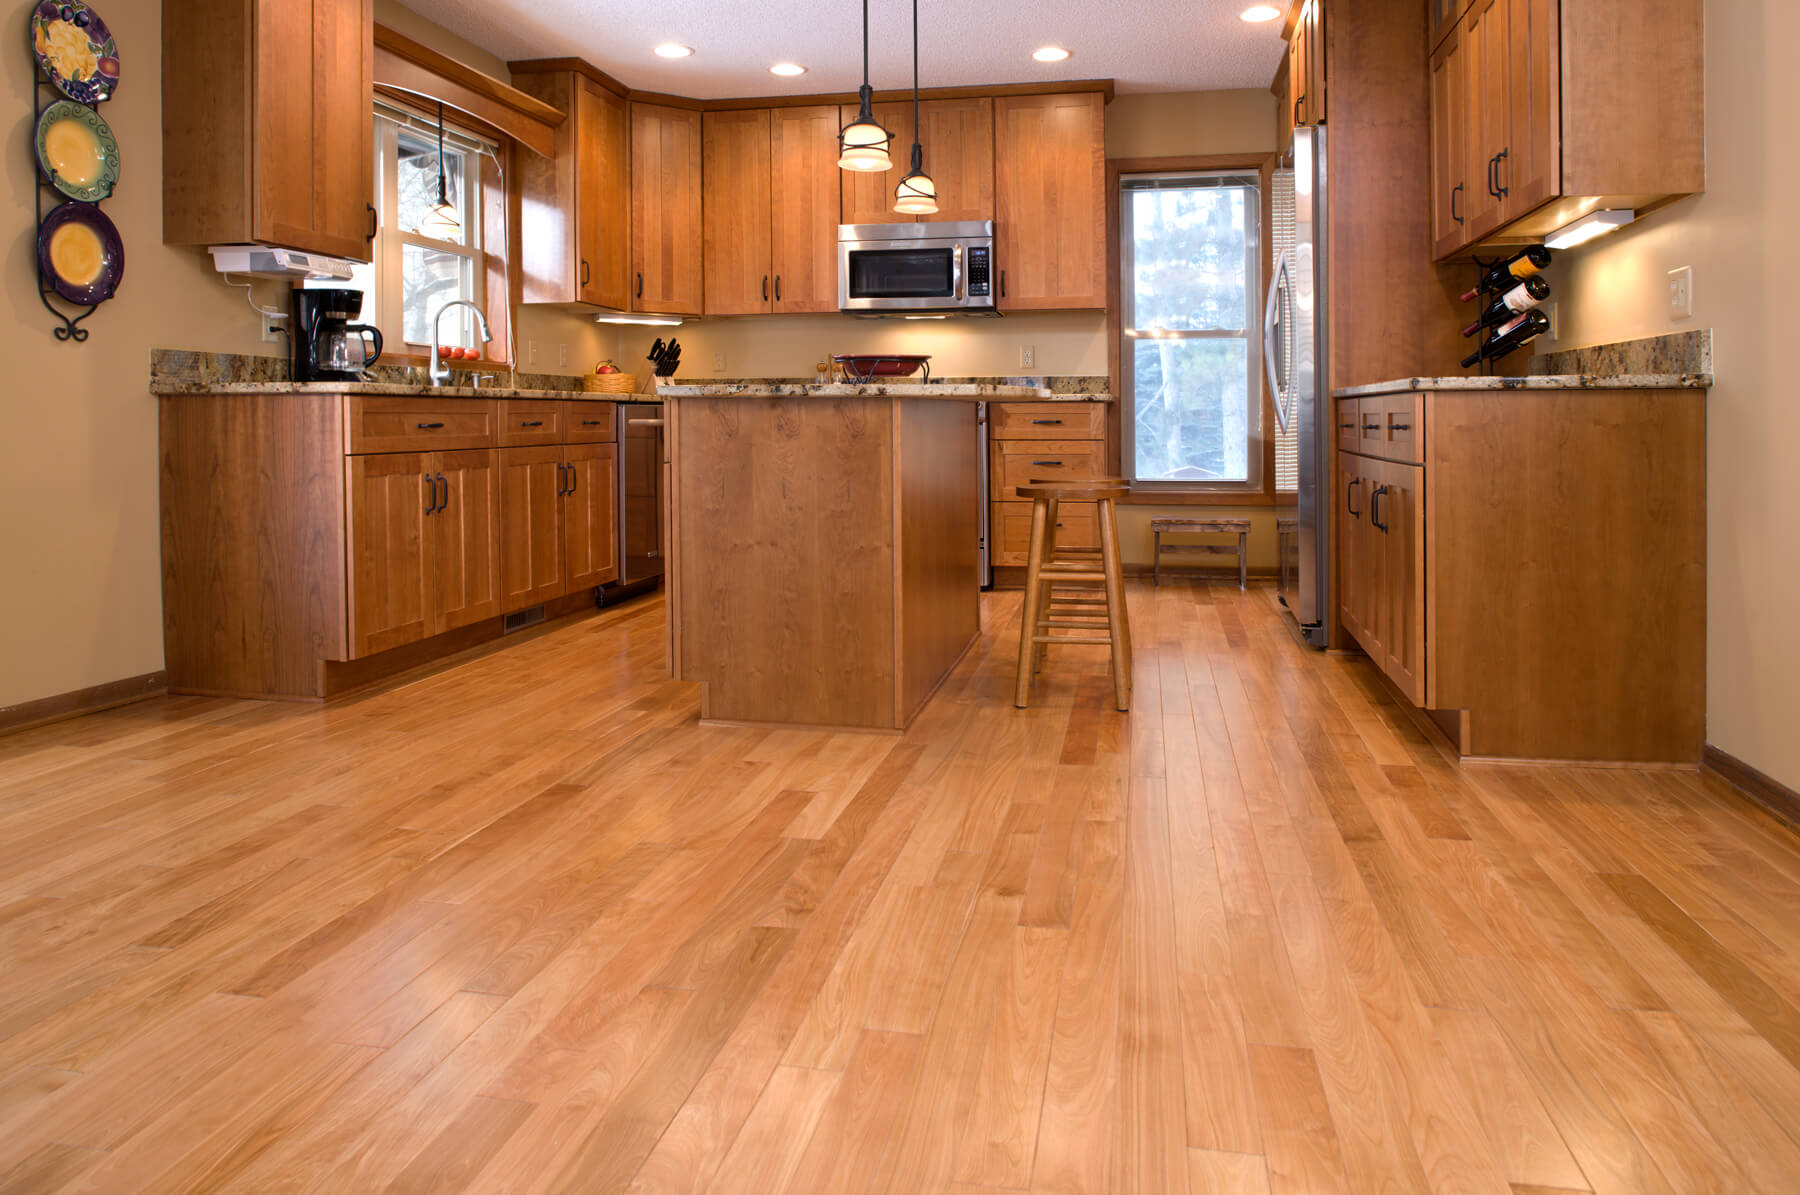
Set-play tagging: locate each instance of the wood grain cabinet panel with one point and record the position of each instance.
(1488, 108)
(576, 245)
(1529, 172)
(532, 421)
(1450, 173)
(958, 137)
(738, 246)
(804, 208)
(532, 481)
(463, 539)
(590, 514)
(666, 233)
(267, 135)
(867, 196)
(1397, 516)
(390, 586)
(1050, 184)
(590, 422)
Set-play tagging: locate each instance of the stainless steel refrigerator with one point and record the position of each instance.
(1295, 355)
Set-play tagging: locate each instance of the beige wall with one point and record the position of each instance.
(81, 599)
(1743, 242)
(1191, 122)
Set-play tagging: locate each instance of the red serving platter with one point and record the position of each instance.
(880, 365)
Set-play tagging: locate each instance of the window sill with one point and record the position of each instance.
(1147, 496)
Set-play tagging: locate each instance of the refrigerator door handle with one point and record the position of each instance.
(1284, 415)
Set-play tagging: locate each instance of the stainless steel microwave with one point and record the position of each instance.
(916, 269)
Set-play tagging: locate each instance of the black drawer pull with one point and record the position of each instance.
(1371, 427)
(1402, 427)
(531, 423)
(430, 427)
(1347, 426)
(1050, 422)
(595, 422)
(1057, 464)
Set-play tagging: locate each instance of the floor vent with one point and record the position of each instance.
(522, 619)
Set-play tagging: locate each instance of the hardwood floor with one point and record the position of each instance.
(524, 926)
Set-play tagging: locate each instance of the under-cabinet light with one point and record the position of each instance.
(1594, 224)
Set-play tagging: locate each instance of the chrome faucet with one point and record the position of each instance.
(440, 373)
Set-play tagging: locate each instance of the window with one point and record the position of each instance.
(1191, 317)
(413, 274)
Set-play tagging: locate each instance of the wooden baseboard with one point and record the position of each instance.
(14, 718)
(1780, 800)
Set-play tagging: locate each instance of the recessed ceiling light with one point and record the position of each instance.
(1050, 54)
(1259, 12)
(787, 70)
(671, 49)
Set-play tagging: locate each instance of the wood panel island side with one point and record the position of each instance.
(823, 547)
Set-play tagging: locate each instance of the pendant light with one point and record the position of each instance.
(917, 194)
(863, 144)
(440, 221)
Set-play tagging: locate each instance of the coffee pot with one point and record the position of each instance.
(328, 347)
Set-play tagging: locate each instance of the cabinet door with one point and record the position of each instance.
(463, 538)
(1312, 24)
(531, 539)
(603, 196)
(1484, 30)
(591, 514)
(390, 592)
(1402, 532)
(804, 207)
(735, 181)
(1352, 503)
(1530, 171)
(665, 210)
(1450, 196)
(1442, 17)
(959, 156)
(1050, 182)
(867, 197)
(1296, 56)
(312, 146)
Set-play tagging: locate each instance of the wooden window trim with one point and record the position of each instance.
(1161, 495)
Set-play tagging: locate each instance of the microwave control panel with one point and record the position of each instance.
(980, 273)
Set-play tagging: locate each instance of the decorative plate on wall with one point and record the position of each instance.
(80, 253)
(75, 50)
(77, 151)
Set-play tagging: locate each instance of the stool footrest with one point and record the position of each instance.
(1093, 640)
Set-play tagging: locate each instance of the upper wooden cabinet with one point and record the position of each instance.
(1050, 185)
(268, 124)
(575, 239)
(1306, 65)
(868, 195)
(771, 210)
(1542, 112)
(665, 210)
(958, 139)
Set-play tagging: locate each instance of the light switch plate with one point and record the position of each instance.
(562, 354)
(531, 352)
(1681, 293)
(719, 361)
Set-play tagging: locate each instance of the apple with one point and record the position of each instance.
(606, 367)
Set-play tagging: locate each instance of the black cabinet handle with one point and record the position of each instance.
(585, 273)
(1501, 190)
(1371, 427)
(640, 284)
(765, 288)
(778, 288)
(1057, 464)
(1049, 422)
(1493, 162)
(1401, 427)
(444, 504)
(431, 491)
(430, 427)
(1351, 426)
(372, 220)
(531, 423)
(1002, 284)
(1348, 488)
(562, 479)
(1298, 100)
(594, 422)
(574, 479)
(1375, 509)
(1454, 214)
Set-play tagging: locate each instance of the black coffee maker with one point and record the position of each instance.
(327, 346)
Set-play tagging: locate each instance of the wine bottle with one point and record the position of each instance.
(1512, 271)
(1522, 331)
(1515, 302)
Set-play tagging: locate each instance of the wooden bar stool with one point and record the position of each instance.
(1237, 527)
(1074, 589)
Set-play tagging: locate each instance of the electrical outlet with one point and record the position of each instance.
(531, 352)
(274, 329)
(1681, 293)
(1028, 356)
(562, 354)
(719, 361)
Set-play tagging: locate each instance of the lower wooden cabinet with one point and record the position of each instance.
(1529, 565)
(559, 512)
(590, 514)
(1041, 441)
(390, 586)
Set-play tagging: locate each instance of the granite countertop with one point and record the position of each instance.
(1560, 381)
(954, 391)
(403, 389)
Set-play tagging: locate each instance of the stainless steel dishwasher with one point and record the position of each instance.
(640, 499)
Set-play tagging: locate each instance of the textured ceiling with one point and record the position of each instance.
(1150, 45)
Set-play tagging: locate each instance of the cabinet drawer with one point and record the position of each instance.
(1077, 526)
(530, 421)
(1391, 427)
(376, 423)
(590, 422)
(1047, 421)
(1349, 426)
(1048, 460)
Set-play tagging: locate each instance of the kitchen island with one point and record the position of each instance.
(823, 546)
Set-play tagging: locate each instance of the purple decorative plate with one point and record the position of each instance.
(80, 253)
(75, 50)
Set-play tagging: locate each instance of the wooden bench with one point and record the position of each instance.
(1238, 527)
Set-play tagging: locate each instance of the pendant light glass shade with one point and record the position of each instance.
(863, 143)
(441, 222)
(916, 195)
